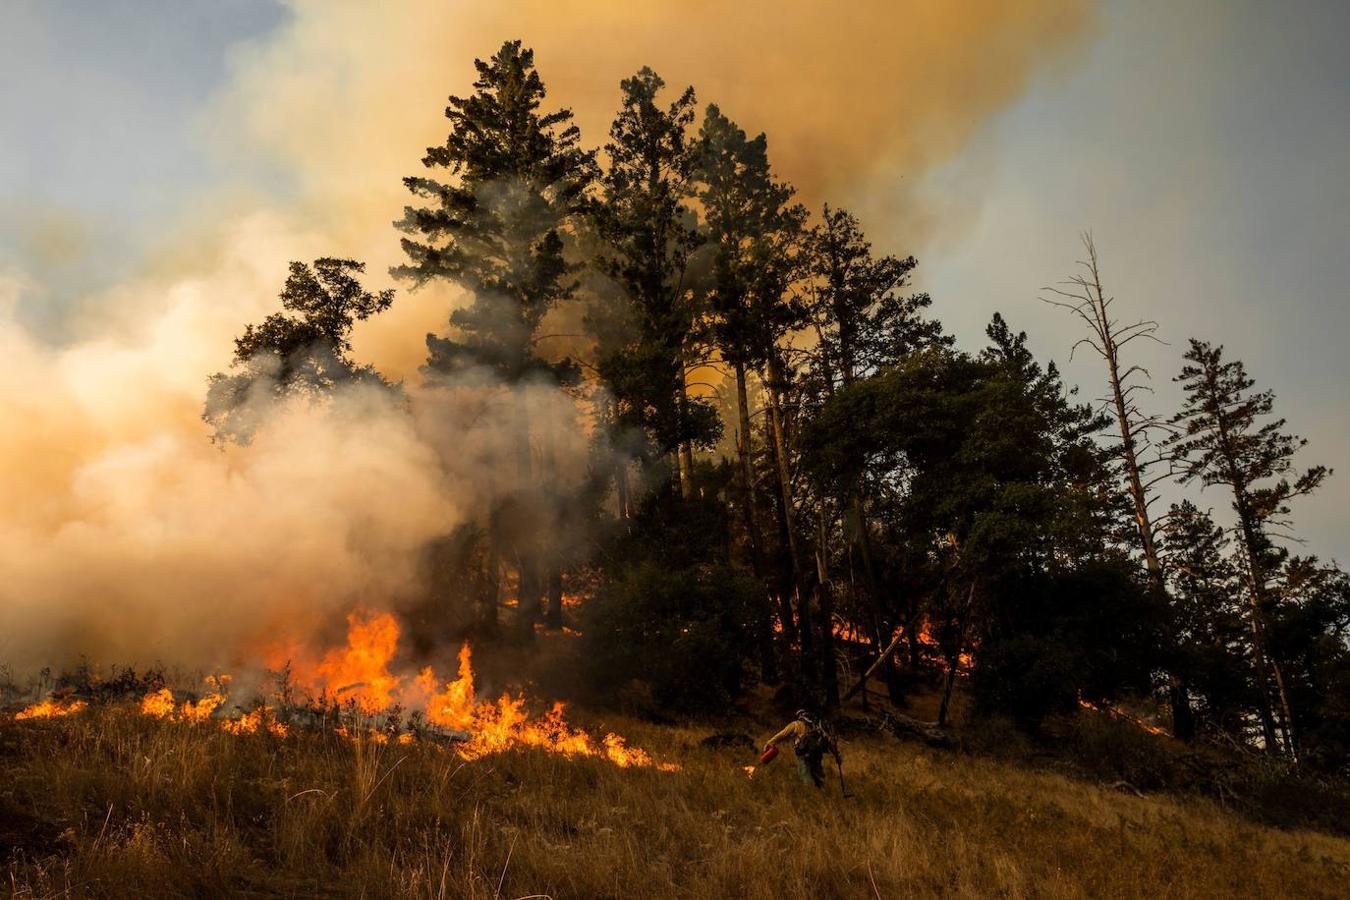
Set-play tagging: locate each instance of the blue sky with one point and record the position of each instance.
(1205, 144)
(1206, 148)
(103, 146)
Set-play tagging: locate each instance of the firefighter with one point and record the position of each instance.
(811, 741)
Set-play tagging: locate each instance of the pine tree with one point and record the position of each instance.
(1206, 618)
(756, 234)
(648, 232)
(859, 313)
(496, 226)
(862, 322)
(1224, 442)
(307, 353)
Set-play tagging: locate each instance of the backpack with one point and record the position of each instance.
(814, 743)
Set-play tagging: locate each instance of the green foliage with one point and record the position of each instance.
(1310, 635)
(671, 611)
(862, 321)
(757, 236)
(1226, 438)
(1223, 441)
(1087, 633)
(967, 497)
(648, 232)
(1208, 625)
(497, 228)
(306, 353)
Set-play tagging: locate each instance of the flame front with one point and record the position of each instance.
(51, 709)
(360, 671)
(501, 725)
(360, 674)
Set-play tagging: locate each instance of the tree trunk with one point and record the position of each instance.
(783, 569)
(747, 472)
(785, 492)
(768, 662)
(876, 664)
(830, 678)
(685, 456)
(528, 589)
(553, 616)
(1252, 546)
(1098, 318)
(685, 453)
(623, 510)
(1183, 719)
(490, 591)
(529, 592)
(1267, 665)
(948, 683)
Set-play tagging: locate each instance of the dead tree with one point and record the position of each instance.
(1082, 295)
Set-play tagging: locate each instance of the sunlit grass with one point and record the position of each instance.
(110, 803)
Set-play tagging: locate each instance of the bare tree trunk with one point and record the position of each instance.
(785, 491)
(489, 595)
(621, 491)
(1257, 597)
(747, 471)
(553, 616)
(684, 454)
(686, 464)
(948, 683)
(830, 678)
(768, 656)
(783, 575)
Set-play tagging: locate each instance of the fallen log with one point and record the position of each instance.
(903, 726)
(895, 642)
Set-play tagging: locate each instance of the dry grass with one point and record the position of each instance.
(108, 803)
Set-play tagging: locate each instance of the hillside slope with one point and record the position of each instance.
(110, 803)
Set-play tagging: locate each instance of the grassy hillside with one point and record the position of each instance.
(110, 803)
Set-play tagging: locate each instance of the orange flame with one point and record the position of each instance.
(361, 672)
(499, 726)
(51, 709)
(1115, 713)
(260, 719)
(161, 704)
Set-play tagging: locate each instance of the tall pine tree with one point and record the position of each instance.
(509, 178)
(1227, 439)
(648, 232)
(757, 236)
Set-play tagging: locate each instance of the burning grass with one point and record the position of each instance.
(112, 802)
(354, 692)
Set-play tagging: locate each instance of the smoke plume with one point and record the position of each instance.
(126, 535)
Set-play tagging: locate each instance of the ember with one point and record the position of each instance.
(1115, 713)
